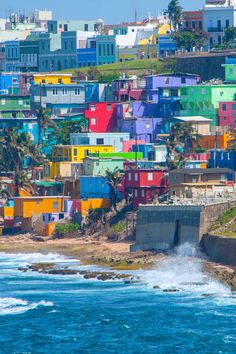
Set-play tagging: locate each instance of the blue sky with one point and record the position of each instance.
(110, 10)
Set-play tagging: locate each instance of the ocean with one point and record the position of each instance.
(188, 312)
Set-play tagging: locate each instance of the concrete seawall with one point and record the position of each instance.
(220, 249)
(163, 227)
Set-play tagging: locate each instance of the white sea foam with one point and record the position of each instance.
(181, 271)
(14, 306)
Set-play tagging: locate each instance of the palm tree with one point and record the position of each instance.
(114, 179)
(44, 121)
(174, 11)
(16, 151)
(22, 181)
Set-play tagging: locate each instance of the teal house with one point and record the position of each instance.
(95, 166)
(105, 50)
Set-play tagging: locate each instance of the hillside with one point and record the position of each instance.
(135, 67)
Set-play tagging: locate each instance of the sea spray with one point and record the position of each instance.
(182, 271)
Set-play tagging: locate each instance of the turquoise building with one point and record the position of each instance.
(105, 50)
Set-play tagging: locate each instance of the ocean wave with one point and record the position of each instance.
(182, 272)
(14, 306)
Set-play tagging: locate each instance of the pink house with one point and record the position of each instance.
(227, 113)
(127, 144)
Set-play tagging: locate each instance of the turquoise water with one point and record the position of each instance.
(67, 314)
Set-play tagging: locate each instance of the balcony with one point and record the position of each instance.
(215, 29)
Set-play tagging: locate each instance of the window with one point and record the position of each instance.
(3, 101)
(183, 80)
(109, 107)
(200, 24)
(129, 177)
(150, 176)
(86, 27)
(100, 141)
(59, 81)
(147, 125)
(135, 193)
(93, 107)
(224, 107)
(193, 24)
(225, 118)
(64, 91)
(65, 28)
(203, 91)
(20, 102)
(167, 80)
(77, 92)
(54, 92)
(75, 152)
(93, 121)
(55, 205)
(233, 106)
(136, 177)
(227, 23)
(143, 193)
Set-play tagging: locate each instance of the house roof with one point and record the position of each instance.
(195, 171)
(193, 119)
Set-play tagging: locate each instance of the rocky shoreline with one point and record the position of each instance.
(113, 255)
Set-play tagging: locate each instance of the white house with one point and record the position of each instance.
(218, 15)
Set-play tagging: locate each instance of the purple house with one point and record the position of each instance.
(159, 86)
(142, 128)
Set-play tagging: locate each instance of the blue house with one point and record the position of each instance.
(87, 56)
(222, 158)
(9, 83)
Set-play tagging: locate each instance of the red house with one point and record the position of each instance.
(193, 20)
(146, 184)
(227, 113)
(129, 90)
(101, 117)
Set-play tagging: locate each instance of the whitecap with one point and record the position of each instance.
(14, 306)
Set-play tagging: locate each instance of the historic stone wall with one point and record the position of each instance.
(220, 249)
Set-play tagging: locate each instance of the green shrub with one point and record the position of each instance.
(63, 229)
(120, 227)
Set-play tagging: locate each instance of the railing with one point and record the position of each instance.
(215, 29)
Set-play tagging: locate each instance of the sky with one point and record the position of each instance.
(112, 11)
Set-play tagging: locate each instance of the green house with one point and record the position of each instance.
(203, 100)
(14, 106)
(95, 166)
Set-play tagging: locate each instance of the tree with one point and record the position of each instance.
(189, 39)
(114, 179)
(16, 151)
(175, 14)
(183, 137)
(44, 121)
(229, 36)
(61, 135)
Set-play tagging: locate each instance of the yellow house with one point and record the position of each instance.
(52, 78)
(90, 204)
(27, 207)
(76, 153)
(64, 155)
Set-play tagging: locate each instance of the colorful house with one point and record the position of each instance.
(204, 100)
(222, 159)
(94, 187)
(15, 106)
(27, 207)
(95, 166)
(129, 90)
(162, 86)
(113, 139)
(142, 128)
(101, 117)
(52, 79)
(73, 153)
(146, 184)
(83, 206)
(227, 114)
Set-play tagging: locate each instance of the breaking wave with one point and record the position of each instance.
(14, 306)
(182, 272)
